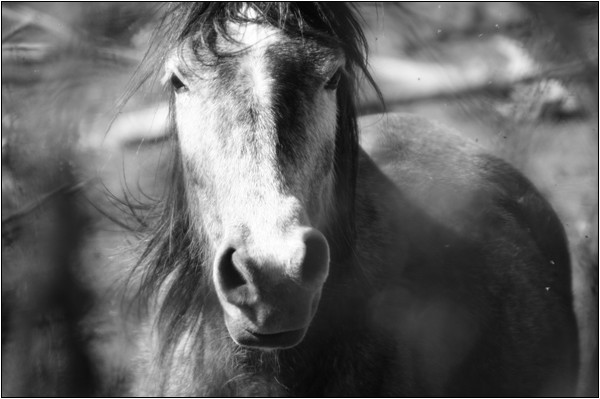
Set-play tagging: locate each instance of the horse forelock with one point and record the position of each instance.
(174, 265)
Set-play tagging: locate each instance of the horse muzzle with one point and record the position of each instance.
(270, 296)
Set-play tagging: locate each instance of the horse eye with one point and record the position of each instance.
(177, 83)
(332, 83)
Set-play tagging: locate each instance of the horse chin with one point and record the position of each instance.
(279, 340)
(270, 336)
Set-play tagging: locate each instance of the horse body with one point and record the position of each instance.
(291, 262)
(452, 289)
(481, 259)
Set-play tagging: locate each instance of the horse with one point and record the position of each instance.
(303, 251)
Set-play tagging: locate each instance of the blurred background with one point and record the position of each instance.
(521, 79)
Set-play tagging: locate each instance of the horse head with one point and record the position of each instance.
(257, 114)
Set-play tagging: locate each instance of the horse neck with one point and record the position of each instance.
(340, 229)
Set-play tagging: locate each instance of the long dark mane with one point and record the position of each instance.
(173, 265)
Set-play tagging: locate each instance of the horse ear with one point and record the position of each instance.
(165, 78)
(169, 69)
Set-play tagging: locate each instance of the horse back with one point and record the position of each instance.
(470, 263)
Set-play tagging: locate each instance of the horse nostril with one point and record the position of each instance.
(315, 265)
(230, 276)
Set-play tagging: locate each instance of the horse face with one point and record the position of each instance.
(257, 131)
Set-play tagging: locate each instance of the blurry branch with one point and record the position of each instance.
(117, 55)
(27, 53)
(26, 62)
(14, 30)
(33, 205)
(27, 16)
(407, 82)
(147, 125)
(21, 62)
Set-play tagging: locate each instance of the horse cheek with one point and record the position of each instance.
(322, 126)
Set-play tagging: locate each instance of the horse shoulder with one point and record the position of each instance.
(484, 253)
(454, 182)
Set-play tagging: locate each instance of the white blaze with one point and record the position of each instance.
(256, 38)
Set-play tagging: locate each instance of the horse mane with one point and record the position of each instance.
(171, 269)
